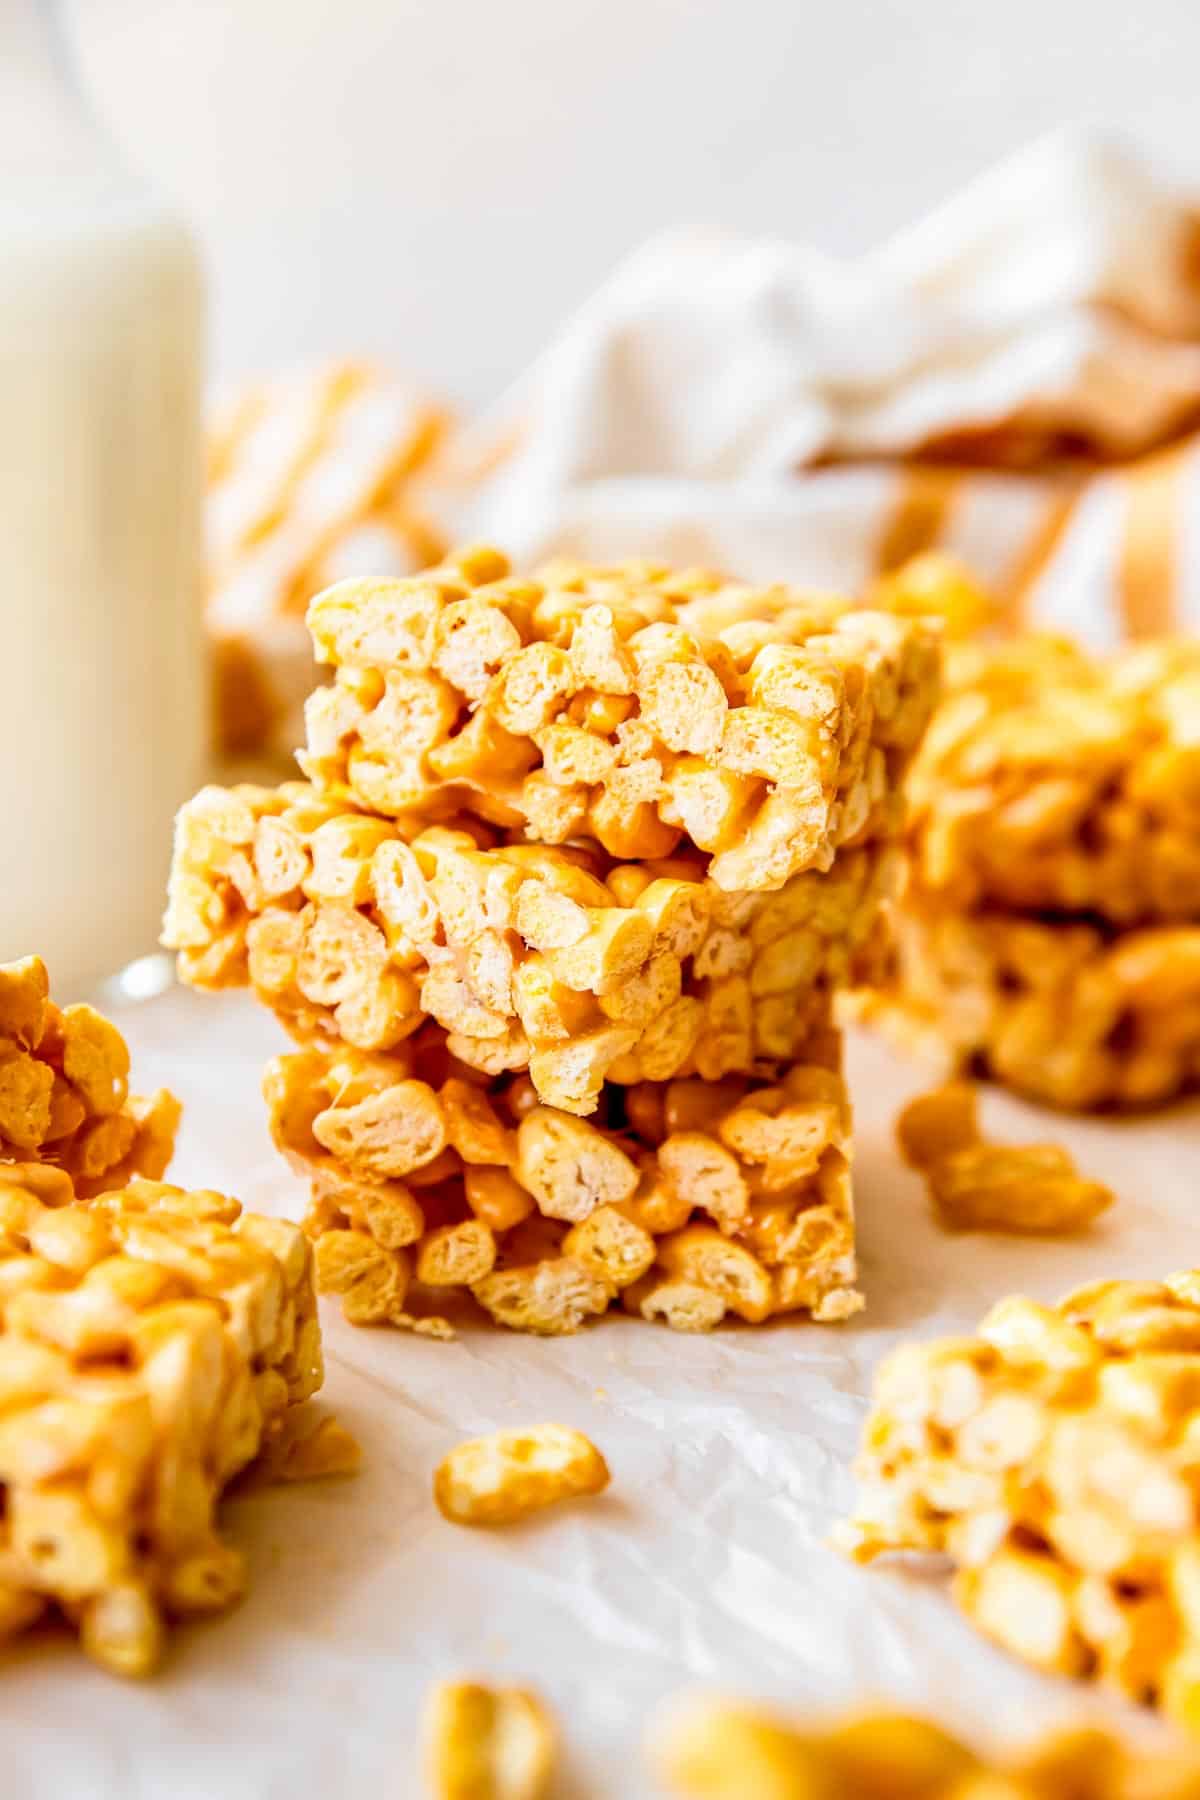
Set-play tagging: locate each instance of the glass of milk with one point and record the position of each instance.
(103, 708)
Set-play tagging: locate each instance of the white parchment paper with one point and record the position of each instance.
(704, 1565)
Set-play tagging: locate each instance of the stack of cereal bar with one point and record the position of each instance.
(558, 917)
(1050, 934)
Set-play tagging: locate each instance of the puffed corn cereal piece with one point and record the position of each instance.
(501, 1478)
(152, 1344)
(1051, 1456)
(710, 1749)
(768, 726)
(937, 1123)
(326, 1448)
(64, 1090)
(488, 1743)
(977, 1186)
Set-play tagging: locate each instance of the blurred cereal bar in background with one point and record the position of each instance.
(1053, 1457)
(310, 479)
(64, 1091)
(1049, 932)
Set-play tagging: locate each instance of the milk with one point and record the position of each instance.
(103, 695)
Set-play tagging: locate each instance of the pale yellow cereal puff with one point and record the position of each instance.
(501, 1478)
(709, 1750)
(569, 1167)
(937, 1123)
(487, 1743)
(979, 1186)
(325, 1449)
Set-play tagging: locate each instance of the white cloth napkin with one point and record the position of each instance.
(1012, 379)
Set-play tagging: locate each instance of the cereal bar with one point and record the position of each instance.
(151, 1341)
(1052, 782)
(709, 1749)
(687, 1199)
(1054, 1457)
(64, 1090)
(645, 709)
(356, 929)
(1066, 1012)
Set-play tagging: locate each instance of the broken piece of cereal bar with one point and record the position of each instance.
(151, 1342)
(64, 1090)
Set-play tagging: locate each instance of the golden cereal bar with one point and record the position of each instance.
(764, 727)
(356, 930)
(64, 1090)
(151, 1342)
(1050, 781)
(687, 1199)
(1065, 1012)
(709, 1749)
(1055, 1457)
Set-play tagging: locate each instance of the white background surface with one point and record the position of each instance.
(703, 1565)
(441, 180)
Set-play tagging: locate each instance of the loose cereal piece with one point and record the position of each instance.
(1032, 1188)
(64, 1090)
(1050, 1457)
(152, 1344)
(488, 1743)
(977, 1186)
(938, 1123)
(716, 1750)
(722, 1750)
(327, 1449)
(769, 726)
(501, 1478)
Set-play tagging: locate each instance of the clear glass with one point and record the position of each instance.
(103, 725)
